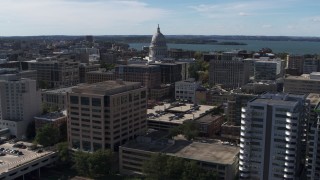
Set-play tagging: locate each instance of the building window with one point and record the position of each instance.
(85, 101)
(74, 100)
(96, 102)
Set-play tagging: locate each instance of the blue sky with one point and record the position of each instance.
(124, 17)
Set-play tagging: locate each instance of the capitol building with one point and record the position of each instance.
(158, 48)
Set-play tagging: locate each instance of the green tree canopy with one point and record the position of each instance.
(47, 135)
(64, 153)
(96, 164)
(161, 166)
(189, 129)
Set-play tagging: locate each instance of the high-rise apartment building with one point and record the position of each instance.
(271, 140)
(20, 101)
(105, 115)
(230, 74)
(313, 145)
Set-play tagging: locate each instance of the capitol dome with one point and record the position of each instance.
(158, 47)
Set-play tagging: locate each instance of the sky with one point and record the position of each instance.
(176, 17)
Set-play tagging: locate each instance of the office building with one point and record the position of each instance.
(186, 90)
(296, 62)
(148, 75)
(84, 68)
(230, 74)
(310, 65)
(271, 141)
(304, 84)
(55, 73)
(56, 99)
(268, 69)
(105, 115)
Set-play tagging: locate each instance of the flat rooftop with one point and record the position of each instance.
(303, 77)
(106, 87)
(213, 151)
(59, 91)
(9, 161)
(208, 118)
(178, 114)
(209, 152)
(51, 116)
(314, 98)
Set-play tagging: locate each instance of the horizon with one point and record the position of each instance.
(140, 17)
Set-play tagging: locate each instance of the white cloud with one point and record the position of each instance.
(243, 14)
(266, 26)
(76, 16)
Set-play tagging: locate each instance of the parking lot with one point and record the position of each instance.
(13, 155)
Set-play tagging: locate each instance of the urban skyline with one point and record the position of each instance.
(138, 17)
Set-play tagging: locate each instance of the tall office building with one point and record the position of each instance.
(268, 69)
(230, 74)
(296, 62)
(56, 73)
(105, 115)
(271, 140)
(20, 101)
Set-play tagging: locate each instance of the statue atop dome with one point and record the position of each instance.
(158, 46)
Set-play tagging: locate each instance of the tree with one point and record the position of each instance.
(161, 166)
(100, 163)
(96, 164)
(64, 153)
(154, 168)
(81, 164)
(47, 135)
(189, 129)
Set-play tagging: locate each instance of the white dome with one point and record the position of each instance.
(158, 46)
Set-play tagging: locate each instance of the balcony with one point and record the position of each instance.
(288, 176)
(288, 170)
(288, 133)
(290, 152)
(289, 158)
(288, 126)
(244, 175)
(288, 120)
(288, 139)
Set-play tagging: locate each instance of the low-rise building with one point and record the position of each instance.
(56, 119)
(167, 116)
(210, 125)
(306, 83)
(212, 156)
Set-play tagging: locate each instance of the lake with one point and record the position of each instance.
(291, 47)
